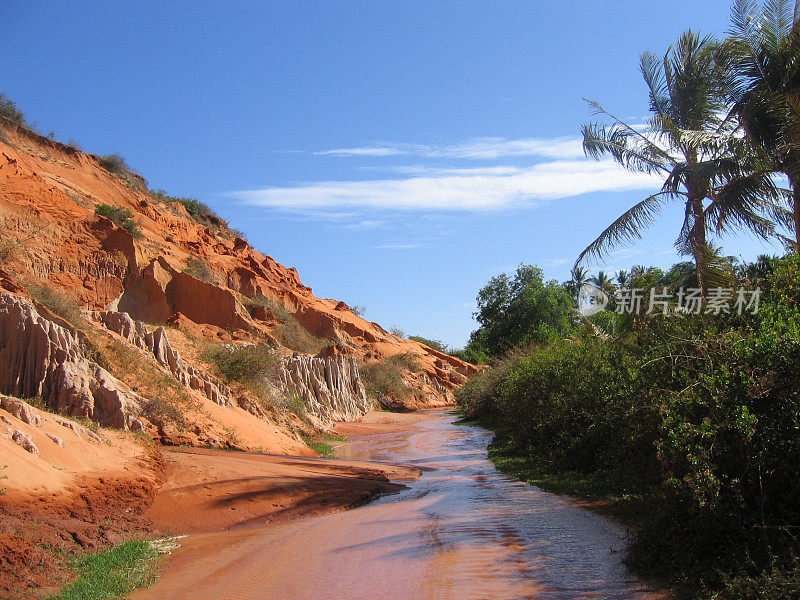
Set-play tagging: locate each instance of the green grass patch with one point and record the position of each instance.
(111, 573)
(325, 450)
(321, 443)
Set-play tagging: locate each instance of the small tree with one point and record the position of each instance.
(521, 310)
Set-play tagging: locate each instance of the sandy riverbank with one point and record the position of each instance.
(91, 494)
(211, 490)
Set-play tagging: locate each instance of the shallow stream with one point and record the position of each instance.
(462, 531)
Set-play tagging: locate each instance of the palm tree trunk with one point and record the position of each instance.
(697, 239)
(794, 183)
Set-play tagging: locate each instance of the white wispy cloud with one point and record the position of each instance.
(444, 171)
(406, 246)
(365, 224)
(365, 151)
(466, 191)
(487, 148)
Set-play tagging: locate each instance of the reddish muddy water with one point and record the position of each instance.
(461, 531)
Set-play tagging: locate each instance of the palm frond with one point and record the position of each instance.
(597, 109)
(599, 140)
(654, 77)
(627, 227)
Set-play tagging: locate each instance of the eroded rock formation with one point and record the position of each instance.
(329, 386)
(157, 344)
(39, 358)
(52, 237)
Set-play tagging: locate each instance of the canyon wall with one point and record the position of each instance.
(191, 272)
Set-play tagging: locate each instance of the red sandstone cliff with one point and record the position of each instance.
(195, 274)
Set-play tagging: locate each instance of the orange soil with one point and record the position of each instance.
(84, 495)
(210, 490)
(88, 495)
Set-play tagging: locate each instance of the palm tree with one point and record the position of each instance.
(602, 281)
(623, 279)
(719, 180)
(579, 279)
(764, 51)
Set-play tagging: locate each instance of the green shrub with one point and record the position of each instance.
(9, 110)
(471, 354)
(121, 217)
(405, 360)
(384, 378)
(117, 166)
(294, 336)
(196, 209)
(275, 309)
(245, 364)
(435, 344)
(114, 163)
(199, 211)
(289, 332)
(158, 410)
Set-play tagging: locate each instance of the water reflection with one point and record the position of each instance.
(462, 531)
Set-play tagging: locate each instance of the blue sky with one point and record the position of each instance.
(398, 154)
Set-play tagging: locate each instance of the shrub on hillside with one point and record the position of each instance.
(245, 364)
(435, 344)
(114, 163)
(199, 269)
(59, 304)
(121, 217)
(9, 110)
(289, 332)
(117, 166)
(405, 360)
(384, 378)
(198, 210)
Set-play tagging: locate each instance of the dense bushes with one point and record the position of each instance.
(698, 416)
(518, 310)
